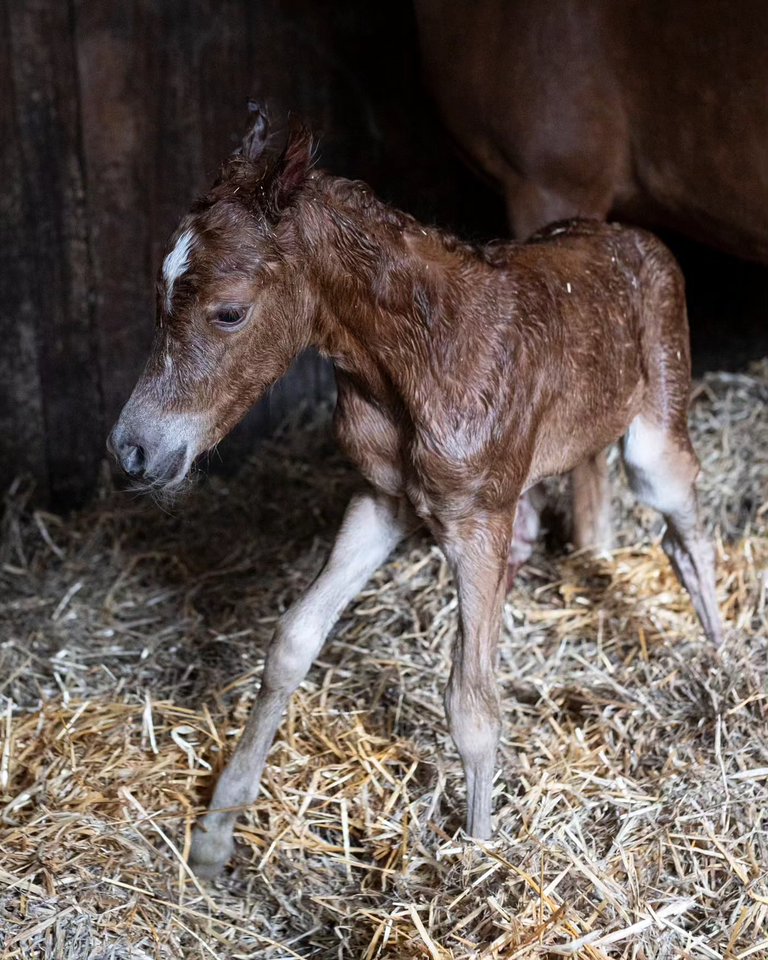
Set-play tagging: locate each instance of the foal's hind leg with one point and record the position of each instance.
(525, 532)
(662, 469)
(591, 514)
(592, 504)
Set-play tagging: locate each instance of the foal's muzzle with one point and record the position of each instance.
(131, 458)
(140, 460)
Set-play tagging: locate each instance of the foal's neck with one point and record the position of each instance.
(383, 277)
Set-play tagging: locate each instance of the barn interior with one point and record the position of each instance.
(630, 799)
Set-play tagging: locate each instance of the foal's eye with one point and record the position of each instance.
(229, 318)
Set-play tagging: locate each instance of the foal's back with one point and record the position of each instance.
(559, 342)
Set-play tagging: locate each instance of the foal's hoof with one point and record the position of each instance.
(209, 852)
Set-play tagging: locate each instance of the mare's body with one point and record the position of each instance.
(644, 109)
(650, 111)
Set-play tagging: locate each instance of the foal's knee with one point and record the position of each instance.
(474, 717)
(291, 653)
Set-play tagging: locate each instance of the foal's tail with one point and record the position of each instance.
(665, 338)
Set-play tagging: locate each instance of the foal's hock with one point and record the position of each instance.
(465, 375)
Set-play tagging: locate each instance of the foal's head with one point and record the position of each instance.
(232, 310)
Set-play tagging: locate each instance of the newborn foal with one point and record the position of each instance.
(465, 375)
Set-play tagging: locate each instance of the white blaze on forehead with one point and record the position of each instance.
(176, 263)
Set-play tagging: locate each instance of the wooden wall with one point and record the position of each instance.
(114, 115)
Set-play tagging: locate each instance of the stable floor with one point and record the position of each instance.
(631, 801)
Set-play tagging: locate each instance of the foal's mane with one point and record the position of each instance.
(281, 187)
(353, 208)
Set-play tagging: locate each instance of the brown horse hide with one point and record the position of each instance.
(647, 110)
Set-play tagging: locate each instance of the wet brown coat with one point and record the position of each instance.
(465, 374)
(469, 375)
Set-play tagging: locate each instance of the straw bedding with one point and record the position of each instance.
(633, 774)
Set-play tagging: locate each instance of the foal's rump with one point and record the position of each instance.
(616, 341)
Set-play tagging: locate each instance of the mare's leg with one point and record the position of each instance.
(592, 503)
(372, 526)
(477, 551)
(662, 469)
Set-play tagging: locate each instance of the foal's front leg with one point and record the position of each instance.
(477, 551)
(373, 525)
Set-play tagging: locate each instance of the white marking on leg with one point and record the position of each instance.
(176, 263)
(662, 474)
(372, 527)
(646, 450)
(645, 442)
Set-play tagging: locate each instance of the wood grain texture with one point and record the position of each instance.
(114, 60)
(22, 427)
(56, 275)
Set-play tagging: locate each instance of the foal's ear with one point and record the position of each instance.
(292, 168)
(256, 138)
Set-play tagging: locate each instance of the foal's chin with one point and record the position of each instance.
(168, 486)
(165, 491)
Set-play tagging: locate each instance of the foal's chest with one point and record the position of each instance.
(370, 437)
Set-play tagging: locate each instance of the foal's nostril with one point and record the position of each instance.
(133, 460)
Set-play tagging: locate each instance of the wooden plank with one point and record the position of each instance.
(179, 168)
(56, 260)
(115, 44)
(22, 446)
(223, 81)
